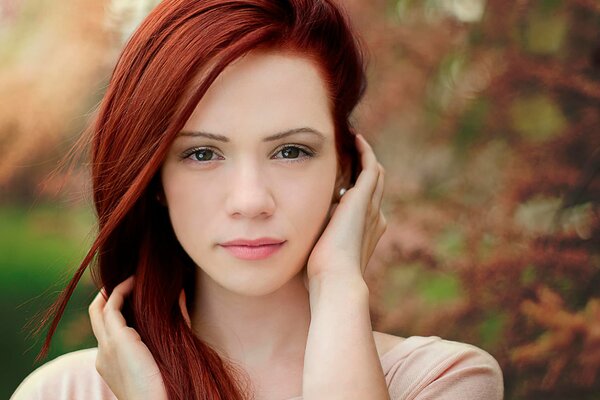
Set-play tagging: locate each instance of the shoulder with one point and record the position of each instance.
(72, 375)
(420, 367)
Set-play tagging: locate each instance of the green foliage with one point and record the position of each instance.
(450, 244)
(39, 249)
(528, 275)
(491, 328)
(546, 33)
(537, 117)
(414, 279)
(549, 6)
(439, 288)
(472, 122)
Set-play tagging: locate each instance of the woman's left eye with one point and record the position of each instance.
(290, 152)
(294, 152)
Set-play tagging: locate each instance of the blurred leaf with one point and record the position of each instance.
(403, 7)
(528, 275)
(549, 6)
(546, 32)
(487, 243)
(450, 244)
(449, 73)
(578, 219)
(400, 281)
(490, 329)
(536, 215)
(537, 117)
(438, 288)
(471, 124)
(464, 10)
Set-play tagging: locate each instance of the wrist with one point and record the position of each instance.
(335, 283)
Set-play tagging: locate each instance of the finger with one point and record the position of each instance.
(379, 228)
(378, 194)
(370, 171)
(95, 311)
(113, 319)
(382, 224)
(368, 161)
(332, 210)
(117, 297)
(183, 308)
(377, 220)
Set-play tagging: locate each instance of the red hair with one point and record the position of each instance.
(151, 94)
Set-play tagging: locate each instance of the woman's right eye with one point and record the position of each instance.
(201, 154)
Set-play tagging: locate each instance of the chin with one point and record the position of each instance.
(254, 280)
(254, 286)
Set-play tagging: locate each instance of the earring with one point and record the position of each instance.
(342, 191)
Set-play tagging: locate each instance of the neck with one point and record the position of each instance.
(253, 330)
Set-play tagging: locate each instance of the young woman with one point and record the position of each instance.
(237, 211)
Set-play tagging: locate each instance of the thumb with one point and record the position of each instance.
(305, 278)
(332, 210)
(183, 308)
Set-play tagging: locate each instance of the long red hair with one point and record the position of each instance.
(153, 90)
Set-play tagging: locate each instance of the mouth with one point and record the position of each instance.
(253, 252)
(253, 242)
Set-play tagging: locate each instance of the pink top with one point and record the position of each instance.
(419, 368)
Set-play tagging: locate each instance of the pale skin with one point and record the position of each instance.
(293, 339)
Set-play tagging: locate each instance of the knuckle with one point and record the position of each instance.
(381, 230)
(99, 365)
(109, 343)
(383, 220)
(106, 312)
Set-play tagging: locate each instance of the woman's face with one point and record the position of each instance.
(241, 183)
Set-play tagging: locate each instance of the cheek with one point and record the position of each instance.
(190, 211)
(307, 206)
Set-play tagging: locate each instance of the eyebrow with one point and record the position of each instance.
(271, 138)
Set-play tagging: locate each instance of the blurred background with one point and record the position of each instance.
(485, 115)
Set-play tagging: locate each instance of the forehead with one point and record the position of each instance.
(264, 92)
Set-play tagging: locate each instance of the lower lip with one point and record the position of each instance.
(253, 252)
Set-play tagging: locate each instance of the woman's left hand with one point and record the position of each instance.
(348, 241)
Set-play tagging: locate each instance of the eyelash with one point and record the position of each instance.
(308, 153)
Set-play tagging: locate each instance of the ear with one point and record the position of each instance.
(342, 180)
(160, 194)
(160, 197)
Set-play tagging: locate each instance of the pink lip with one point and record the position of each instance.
(253, 252)
(253, 242)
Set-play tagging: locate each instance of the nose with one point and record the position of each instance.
(249, 194)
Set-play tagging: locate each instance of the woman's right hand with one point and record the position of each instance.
(124, 361)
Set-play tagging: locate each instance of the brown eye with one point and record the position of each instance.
(202, 155)
(294, 153)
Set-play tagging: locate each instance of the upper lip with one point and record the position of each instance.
(252, 242)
